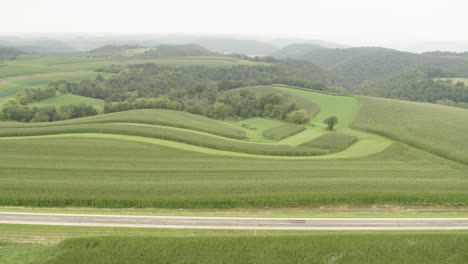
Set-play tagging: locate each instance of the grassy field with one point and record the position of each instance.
(237, 246)
(181, 160)
(434, 128)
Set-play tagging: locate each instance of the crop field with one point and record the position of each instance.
(181, 160)
(332, 141)
(233, 246)
(283, 131)
(435, 128)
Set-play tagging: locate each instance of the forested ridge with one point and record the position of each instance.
(195, 89)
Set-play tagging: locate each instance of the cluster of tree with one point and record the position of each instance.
(150, 80)
(143, 103)
(417, 86)
(245, 104)
(12, 110)
(29, 95)
(198, 89)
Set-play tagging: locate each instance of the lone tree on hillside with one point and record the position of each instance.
(331, 122)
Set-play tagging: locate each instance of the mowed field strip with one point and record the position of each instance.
(356, 150)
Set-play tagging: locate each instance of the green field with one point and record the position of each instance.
(181, 160)
(434, 128)
(133, 245)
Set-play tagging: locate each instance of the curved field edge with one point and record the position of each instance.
(162, 117)
(355, 150)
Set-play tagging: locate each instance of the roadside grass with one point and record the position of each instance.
(357, 247)
(67, 99)
(283, 131)
(99, 172)
(434, 128)
(333, 141)
(374, 211)
(23, 253)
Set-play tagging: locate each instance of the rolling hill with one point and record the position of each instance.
(181, 160)
(355, 65)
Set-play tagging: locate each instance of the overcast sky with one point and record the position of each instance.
(354, 22)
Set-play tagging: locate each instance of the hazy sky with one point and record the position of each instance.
(355, 22)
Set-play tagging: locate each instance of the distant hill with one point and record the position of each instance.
(114, 48)
(39, 45)
(282, 42)
(244, 46)
(296, 51)
(178, 50)
(48, 46)
(7, 53)
(355, 65)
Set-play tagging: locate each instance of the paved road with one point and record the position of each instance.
(235, 223)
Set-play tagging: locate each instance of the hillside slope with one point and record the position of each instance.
(438, 129)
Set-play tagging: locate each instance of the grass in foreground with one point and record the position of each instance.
(87, 172)
(321, 247)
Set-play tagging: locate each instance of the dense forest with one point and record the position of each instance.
(196, 89)
(353, 66)
(422, 85)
